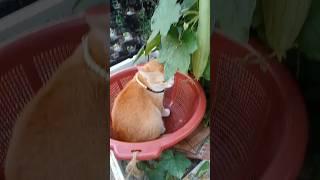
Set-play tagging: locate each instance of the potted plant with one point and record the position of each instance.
(181, 35)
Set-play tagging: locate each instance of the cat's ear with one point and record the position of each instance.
(145, 74)
(140, 68)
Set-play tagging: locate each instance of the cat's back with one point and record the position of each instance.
(132, 98)
(135, 115)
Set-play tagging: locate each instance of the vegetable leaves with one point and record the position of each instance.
(167, 13)
(176, 54)
(234, 17)
(172, 165)
(309, 38)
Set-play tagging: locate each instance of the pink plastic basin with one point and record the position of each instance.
(187, 102)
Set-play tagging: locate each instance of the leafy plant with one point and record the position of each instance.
(203, 169)
(118, 15)
(144, 18)
(171, 166)
(119, 20)
(282, 22)
(234, 17)
(200, 57)
(206, 119)
(181, 33)
(309, 38)
(144, 28)
(277, 22)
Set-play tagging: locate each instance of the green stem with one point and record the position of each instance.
(201, 56)
(194, 22)
(194, 19)
(190, 13)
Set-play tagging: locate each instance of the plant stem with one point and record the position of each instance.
(194, 21)
(201, 56)
(196, 18)
(190, 13)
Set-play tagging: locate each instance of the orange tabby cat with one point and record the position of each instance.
(138, 109)
(62, 132)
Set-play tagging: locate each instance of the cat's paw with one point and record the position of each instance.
(165, 112)
(163, 130)
(170, 83)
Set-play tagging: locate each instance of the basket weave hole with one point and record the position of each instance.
(114, 91)
(182, 108)
(238, 115)
(47, 62)
(15, 92)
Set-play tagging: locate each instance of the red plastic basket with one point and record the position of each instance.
(187, 103)
(259, 128)
(26, 64)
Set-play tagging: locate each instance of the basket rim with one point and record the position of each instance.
(152, 149)
(43, 27)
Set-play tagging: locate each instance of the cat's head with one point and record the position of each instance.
(153, 74)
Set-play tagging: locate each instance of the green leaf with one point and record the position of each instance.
(176, 164)
(206, 74)
(156, 174)
(176, 54)
(166, 14)
(152, 43)
(142, 166)
(234, 17)
(309, 38)
(169, 70)
(257, 17)
(190, 40)
(203, 169)
(153, 36)
(187, 4)
(152, 170)
(206, 118)
(76, 4)
(169, 177)
(139, 54)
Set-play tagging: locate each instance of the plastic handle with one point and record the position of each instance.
(147, 150)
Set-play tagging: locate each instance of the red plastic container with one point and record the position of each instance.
(259, 128)
(187, 103)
